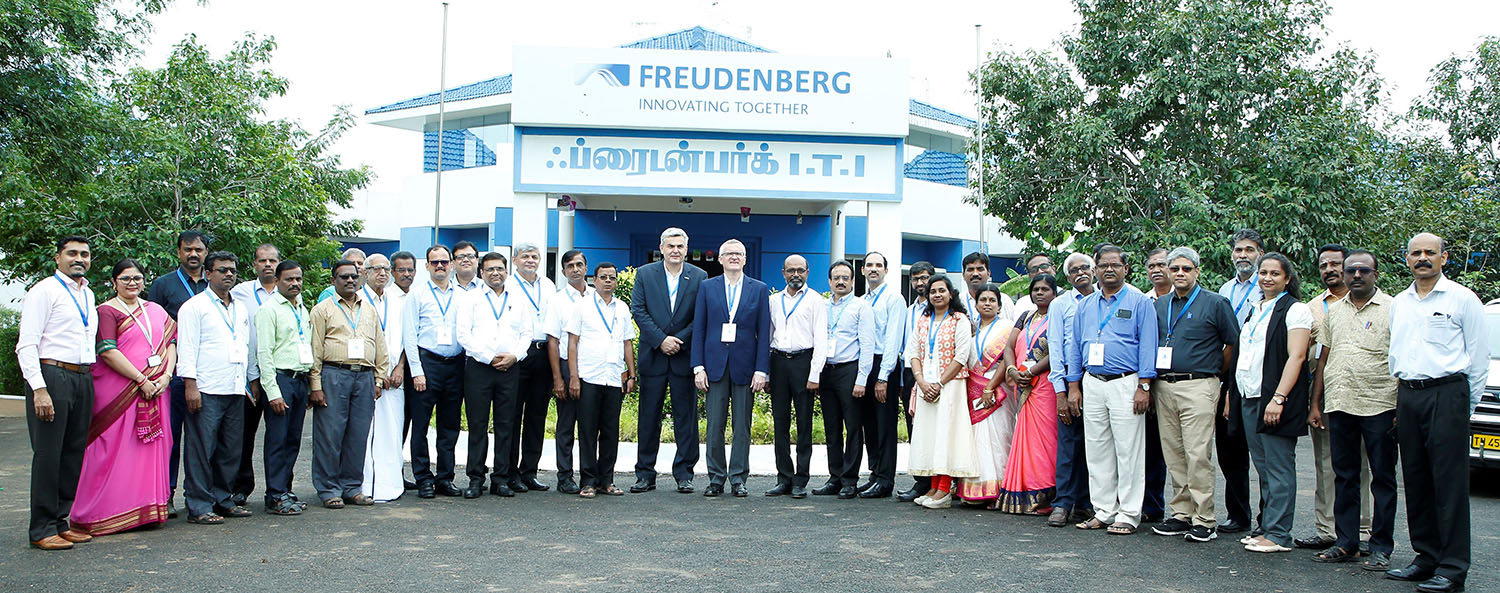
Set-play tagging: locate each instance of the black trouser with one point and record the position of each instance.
(530, 413)
(445, 393)
(179, 415)
(1433, 431)
(283, 440)
(1155, 503)
(788, 387)
(244, 479)
(490, 393)
(598, 433)
(1348, 435)
(57, 448)
(567, 421)
(684, 425)
(919, 483)
(877, 420)
(211, 453)
(1234, 457)
(841, 428)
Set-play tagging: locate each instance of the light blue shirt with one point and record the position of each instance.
(1059, 335)
(1125, 323)
(427, 307)
(910, 331)
(890, 326)
(851, 333)
(1242, 296)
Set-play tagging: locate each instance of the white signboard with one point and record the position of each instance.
(706, 164)
(701, 90)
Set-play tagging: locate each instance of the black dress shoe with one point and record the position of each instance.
(426, 491)
(908, 495)
(847, 493)
(683, 487)
(1232, 526)
(1411, 573)
(1316, 542)
(740, 491)
(448, 489)
(780, 490)
(533, 484)
(799, 492)
(876, 491)
(517, 486)
(642, 485)
(568, 487)
(1439, 584)
(499, 489)
(475, 489)
(408, 484)
(866, 486)
(826, 489)
(713, 490)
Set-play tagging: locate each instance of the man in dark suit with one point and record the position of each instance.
(662, 304)
(731, 360)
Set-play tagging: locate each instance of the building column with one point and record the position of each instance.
(836, 231)
(529, 220)
(885, 233)
(564, 243)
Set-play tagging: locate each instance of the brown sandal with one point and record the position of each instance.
(1121, 529)
(333, 503)
(1092, 523)
(587, 492)
(613, 490)
(362, 500)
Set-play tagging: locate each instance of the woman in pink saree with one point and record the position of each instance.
(1031, 475)
(124, 479)
(991, 411)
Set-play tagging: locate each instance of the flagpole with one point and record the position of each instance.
(979, 117)
(437, 204)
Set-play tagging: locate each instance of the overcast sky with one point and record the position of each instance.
(374, 52)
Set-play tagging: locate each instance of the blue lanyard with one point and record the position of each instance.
(504, 300)
(1104, 321)
(672, 287)
(1172, 321)
(233, 312)
(732, 302)
(986, 339)
(932, 330)
(298, 316)
(256, 294)
(1271, 306)
(838, 313)
(1249, 288)
(788, 314)
(875, 298)
(607, 326)
(83, 311)
(442, 307)
(534, 305)
(359, 311)
(185, 284)
(384, 304)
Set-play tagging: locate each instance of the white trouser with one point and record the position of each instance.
(1114, 438)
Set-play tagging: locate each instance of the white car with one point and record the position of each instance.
(1484, 423)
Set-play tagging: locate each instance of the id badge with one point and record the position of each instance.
(726, 333)
(153, 361)
(1244, 364)
(356, 349)
(931, 372)
(86, 354)
(444, 335)
(238, 353)
(304, 353)
(1164, 357)
(1096, 354)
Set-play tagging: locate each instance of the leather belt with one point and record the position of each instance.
(796, 354)
(454, 358)
(1175, 377)
(354, 368)
(1430, 383)
(839, 365)
(1108, 378)
(297, 375)
(67, 366)
(535, 344)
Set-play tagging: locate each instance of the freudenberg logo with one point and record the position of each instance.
(613, 74)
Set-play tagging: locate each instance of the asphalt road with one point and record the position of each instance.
(665, 541)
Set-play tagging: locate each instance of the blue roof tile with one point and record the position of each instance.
(921, 109)
(939, 167)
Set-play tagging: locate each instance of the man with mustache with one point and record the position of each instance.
(170, 291)
(350, 366)
(1036, 265)
(799, 347)
(285, 357)
(976, 268)
(1072, 503)
(1354, 399)
(880, 410)
(1246, 246)
(1440, 356)
(920, 273)
(1331, 272)
(254, 293)
(851, 354)
(1156, 465)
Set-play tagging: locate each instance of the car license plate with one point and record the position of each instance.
(1487, 441)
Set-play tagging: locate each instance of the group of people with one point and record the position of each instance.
(1074, 402)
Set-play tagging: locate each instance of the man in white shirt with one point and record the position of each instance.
(798, 349)
(576, 291)
(59, 324)
(1036, 265)
(213, 346)
(436, 362)
(976, 268)
(465, 261)
(851, 355)
(383, 458)
(1440, 357)
(535, 293)
(601, 368)
(252, 294)
(919, 274)
(495, 332)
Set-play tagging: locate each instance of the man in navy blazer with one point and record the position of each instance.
(731, 358)
(662, 304)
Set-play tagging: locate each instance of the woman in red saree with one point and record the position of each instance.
(991, 411)
(1031, 474)
(124, 479)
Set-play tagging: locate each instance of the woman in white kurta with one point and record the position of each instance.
(942, 438)
(383, 457)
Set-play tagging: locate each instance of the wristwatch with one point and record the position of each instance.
(1278, 399)
(1146, 387)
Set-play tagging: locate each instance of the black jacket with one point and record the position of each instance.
(1294, 412)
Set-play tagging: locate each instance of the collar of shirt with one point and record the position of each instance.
(1443, 285)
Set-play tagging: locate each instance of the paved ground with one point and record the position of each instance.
(664, 541)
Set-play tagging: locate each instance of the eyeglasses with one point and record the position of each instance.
(1359, 271)
(1039, 267)
(494, 270)
(379, 268)
(131, 279)
(225, 270)
(466, 257)
(732, 254)
(840, 278)
(1080, 269)
(347, 276)
(439, 263)
(1182, 268)
(795, 270)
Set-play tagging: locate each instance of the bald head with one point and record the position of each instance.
(1425, 257)
(794, 270)
(1427, 239)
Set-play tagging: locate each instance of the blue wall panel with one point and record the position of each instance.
(856, 234)
(418, 239)
(372, 247)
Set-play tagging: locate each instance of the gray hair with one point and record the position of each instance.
(672, 232)
(1068, 263)
(525, 247)
(353, 250)
(1186, 253)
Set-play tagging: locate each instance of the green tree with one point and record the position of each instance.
(1173, 122)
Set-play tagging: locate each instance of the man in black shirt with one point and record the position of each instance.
(170, 291)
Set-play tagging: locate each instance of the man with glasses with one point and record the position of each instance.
(170, 291)
(352, 254)
(920, 273)
(213, 350)
(535, 293)
(437, 372)
(851, 355)
(494, 328)
(798, 349)
(253, 294)
(1196, 332)
(350, 366)
(731, 360)
(383, 459)
(403, 271)
(1243, 291)
(662, 303)
(1072, 503)
(1036, 265)
(465, 264)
